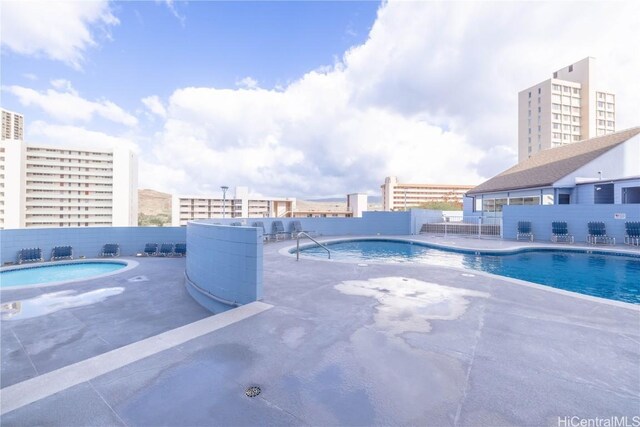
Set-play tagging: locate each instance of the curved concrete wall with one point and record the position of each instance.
(224, 266)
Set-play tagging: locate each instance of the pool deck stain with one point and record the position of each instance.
(508, 355)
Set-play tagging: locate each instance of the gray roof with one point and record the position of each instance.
(548, 166)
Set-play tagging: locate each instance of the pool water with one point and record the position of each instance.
(56, 273)
(615, 277)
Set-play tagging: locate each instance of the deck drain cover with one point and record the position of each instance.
(252, 391)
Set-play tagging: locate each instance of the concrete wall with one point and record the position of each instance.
(86, 241)
(383, 223)
(576, 216)
(224, 266)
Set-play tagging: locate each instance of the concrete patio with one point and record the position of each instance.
(332, 343)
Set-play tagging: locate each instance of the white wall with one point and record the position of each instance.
(14, 184)
(125, 188)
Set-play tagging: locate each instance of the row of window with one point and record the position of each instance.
(565, 89)
(608, 105)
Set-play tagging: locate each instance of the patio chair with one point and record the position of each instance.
(560, 232)
(166, 249)
(265, 236)
(598, 233)
(277, 230)
(30, 255)
(150, 249)
(110, 249)
(632, 235)
(61, 252)
(296, 228)
(524, 230)
(180, 249)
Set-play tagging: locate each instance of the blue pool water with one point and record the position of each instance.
(614, 277)
(56, 273)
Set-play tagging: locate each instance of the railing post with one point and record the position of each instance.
(298, 248)
(479, 227)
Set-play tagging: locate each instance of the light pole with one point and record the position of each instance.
(224, 200)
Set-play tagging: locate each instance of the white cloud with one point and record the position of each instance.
(172, 8)
(247, 83)
(431, 96)
(65, 104)
(154, 104)
(67, 135)
(59, 30)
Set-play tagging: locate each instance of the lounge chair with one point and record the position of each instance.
(236, 224)
(180, 249)
(296, 228)
(524, 230)
(166, 249)
(265, 236)
(598, 233)
(632, 235)
(61, 252)
(30, 255)
(560, 232)
(150, 249)
(277, 230)
(110, 249)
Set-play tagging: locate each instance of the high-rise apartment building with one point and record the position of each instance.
(564, 109)
(397, 196)
(12, 125)
(240, 204)
(51, 186)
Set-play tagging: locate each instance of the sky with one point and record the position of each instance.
(302, 99)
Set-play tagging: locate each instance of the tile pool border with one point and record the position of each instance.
(128, 265)
(290, 252)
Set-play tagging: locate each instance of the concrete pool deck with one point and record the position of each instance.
(332, 343)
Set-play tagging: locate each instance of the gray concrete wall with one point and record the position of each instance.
(576, 216)
(224, 266)
(86, 241)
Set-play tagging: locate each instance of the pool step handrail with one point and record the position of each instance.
(302, 233)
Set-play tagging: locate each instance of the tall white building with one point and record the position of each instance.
(12, 125)
(398, 196)
(564, 109)
(51, 186)
(240, 204)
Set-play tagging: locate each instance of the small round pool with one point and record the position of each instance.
(602, 274)
(55, 273)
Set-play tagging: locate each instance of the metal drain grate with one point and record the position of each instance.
(252, 391)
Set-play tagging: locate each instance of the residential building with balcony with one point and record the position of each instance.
(12, 126)
(54, 186)
(567, 108)
(239, 204)
(401, 196)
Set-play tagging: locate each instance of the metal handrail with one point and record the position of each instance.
(317, 243)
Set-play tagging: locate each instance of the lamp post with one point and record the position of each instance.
(224, 189)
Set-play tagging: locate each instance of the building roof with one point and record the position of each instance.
(548, 166)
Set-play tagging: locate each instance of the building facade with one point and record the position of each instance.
(599, 171)
(12, 125)
(567, 108)
(51, 186)
(397, 196)
(240, 204)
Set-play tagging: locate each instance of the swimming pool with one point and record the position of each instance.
(611, 276)
(54, 273)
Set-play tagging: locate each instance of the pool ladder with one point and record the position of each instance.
(302, 233)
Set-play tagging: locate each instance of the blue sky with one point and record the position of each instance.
(301, 99)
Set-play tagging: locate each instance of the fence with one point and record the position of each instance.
(475, 229)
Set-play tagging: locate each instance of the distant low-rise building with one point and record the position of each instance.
(12, 125)
(402, 196)
(601, 170)
(240, 204)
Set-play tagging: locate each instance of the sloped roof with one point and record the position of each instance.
(548, 166)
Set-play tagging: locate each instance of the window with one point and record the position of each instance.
(556, 135)
(529, 94)
(556, 87)
(556, 126)
(570, 68)
(609, 106)
(567, 89)
(600, 95)
(600, 113)
(576, 138)
(564, 199)
(554, 107)
(600, 104)
(539, 90)
(603, 194)
(575, 110)
(539, 109)
(610, 123)
(600, 122)
(566, 109)
(556, 98)
(556, 116)
(555, 75)
(576, 91)
(631, 195)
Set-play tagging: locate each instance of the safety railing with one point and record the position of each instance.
(302, 233)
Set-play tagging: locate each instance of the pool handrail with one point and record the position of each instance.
(302, 233)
